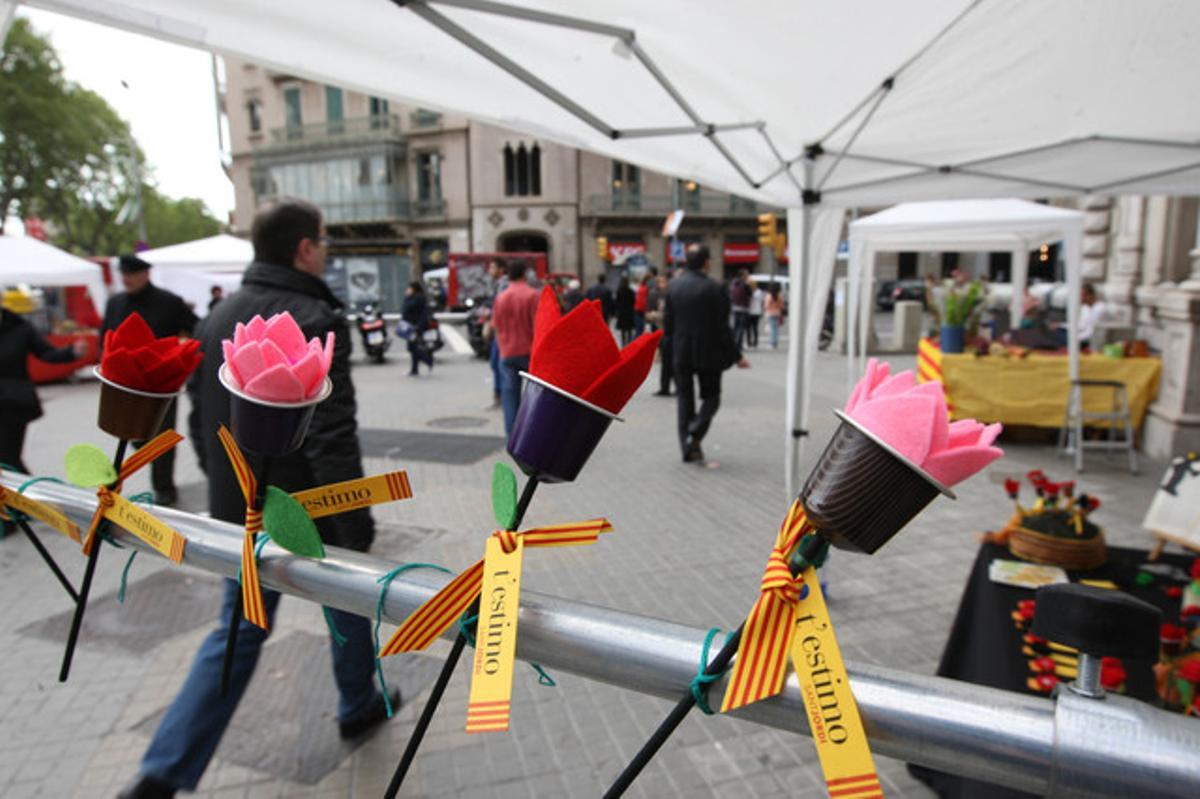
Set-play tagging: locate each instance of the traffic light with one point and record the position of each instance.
(780, 246)
(767, 230)
(602, 247)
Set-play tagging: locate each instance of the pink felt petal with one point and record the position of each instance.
(255, 328)
(896, 384)
(613, 389)
(248, 362)
(328, 357)
(964, 433)
(228, 348)
(856, 396)
(271, 353)
(548, 313)
(955, 465)
(990, 434)
(880, 373)
(287, 335)
(904, 422)
(310, 370)
(940, 432)
(239, 335)
(276, 384)
(576, 351)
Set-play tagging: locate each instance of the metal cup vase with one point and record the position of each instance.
(555, 432)
(269, 428)
(862, 492)
(129, 413)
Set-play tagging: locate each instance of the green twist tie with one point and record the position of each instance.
(386, 581)
(466, 624)
(703, 679)
(144, 498)
(16, 514)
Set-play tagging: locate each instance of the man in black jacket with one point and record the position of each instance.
(289, 251)
(696, 318)
(167, 315)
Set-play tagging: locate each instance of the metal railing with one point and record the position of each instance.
(379, 126)
(621, 204)
(426, 208)
(1072, 747)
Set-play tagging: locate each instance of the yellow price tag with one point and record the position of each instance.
(154, 532)
(42, 512)
(362, 492)
(832, 713)
(495, 638)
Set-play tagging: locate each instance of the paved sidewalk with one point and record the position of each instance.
(689, 545)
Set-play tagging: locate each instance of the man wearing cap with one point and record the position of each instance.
(167, 315)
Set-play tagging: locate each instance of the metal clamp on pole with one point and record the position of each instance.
(1020, 741)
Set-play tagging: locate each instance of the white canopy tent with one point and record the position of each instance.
(192, 268)
(1014, 226)
(932, 99)
(24, 259)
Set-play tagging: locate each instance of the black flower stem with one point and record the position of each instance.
(235, 615)
(460, 642)
(23, 523)
(88, 573)
(811, 551)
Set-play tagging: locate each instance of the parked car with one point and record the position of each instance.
(901, 290)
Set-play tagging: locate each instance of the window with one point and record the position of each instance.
(334, 110)
(689, 195)
(429, 176)
(254, 112)
(522, 170)
(626, 186)
(292, 116)
(378, 111)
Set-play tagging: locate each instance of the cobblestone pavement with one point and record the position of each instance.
(689, 545)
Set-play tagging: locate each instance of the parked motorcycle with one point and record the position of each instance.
(374, 333)
(433, 336)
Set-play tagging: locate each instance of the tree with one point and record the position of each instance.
(171, 221)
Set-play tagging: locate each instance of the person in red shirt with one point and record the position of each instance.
(640, 304)
(512, 319)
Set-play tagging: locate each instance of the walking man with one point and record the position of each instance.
(696, 317)
(512, 317)
(167, 315)
(289, 260)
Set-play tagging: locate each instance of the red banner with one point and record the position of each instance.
(740, 252)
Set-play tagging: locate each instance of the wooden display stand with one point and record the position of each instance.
(1174, 515)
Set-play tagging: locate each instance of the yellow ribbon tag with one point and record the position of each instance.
(832, 713)
(145, 454)
(40, 511)
(496, 637)
(334, 498)
(154, 532)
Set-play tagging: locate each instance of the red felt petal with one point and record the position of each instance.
(120, 368)
(167, 376)
(548, 313)
(146, 358)
(133, 332)
(576, 351)
(613, 389)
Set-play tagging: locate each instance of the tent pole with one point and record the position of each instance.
(799, 302)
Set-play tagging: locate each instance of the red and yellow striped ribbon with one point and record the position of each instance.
(762, 655)
(862, 786)
(152, 449)
(929, 367)
(434, 617)
(252, 602)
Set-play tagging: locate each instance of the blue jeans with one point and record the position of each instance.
(773, 327)
(188, 734)
(510, 387)
(494, 361)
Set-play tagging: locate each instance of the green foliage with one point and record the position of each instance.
(286, 522)
(959, 302)
(504, 496)
(88, 467)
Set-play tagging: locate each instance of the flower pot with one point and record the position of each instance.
(129, 413)
(269, 428)
(862, 492)
(555, 432)
(953, 339)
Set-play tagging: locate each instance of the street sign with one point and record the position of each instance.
(672, 222)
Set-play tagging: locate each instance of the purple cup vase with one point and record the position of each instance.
(269, 428)
(555, 433)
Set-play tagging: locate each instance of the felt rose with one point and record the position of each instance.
(134, 358)
(1012, 487)
(270, 360)
(912, 419)
(1112, 673)
(576, 353)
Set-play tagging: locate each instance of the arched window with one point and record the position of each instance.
(522, 171)
(510, 171)
(535, 170)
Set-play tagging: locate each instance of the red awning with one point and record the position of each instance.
(740, 253)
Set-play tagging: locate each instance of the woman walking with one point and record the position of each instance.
(415, 312)
(624, 302)
(773, 308)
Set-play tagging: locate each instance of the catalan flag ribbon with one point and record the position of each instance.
(434, 617)
(762, 654)
(52, 516)
(153, 449)
(252, 601)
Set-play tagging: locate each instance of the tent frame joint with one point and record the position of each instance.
(810, 197)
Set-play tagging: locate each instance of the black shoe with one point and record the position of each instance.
(664, 393)
(167, 499)
(693, 453)
(368, 719)
(147, 788)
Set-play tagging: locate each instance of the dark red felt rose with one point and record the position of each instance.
(1012, 487)
(576, 353)
(1112, 673)
(1172, 632)
(135, 359)
(1173, 591)
(1189, 670)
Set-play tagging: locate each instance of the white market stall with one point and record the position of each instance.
(192, 268)
(24, 259)
(1014, 226)
(823, 106)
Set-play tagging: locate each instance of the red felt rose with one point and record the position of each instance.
(1012, 487)
(1112, 674)
(135, 359)
(576, 353)
(1172, 632)
(1173, 591)
(1037, 477)
(1189, 671)
(1068, 488)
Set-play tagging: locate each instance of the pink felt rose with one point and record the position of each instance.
(270, 360)
(913, 420)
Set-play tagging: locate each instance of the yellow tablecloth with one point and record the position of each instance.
(1033, 390)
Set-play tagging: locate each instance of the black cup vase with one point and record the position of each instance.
(862, 492)
(269, 428)
(130, 414)
(555, 432)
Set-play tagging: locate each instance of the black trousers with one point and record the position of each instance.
(12, 441)
(162, 470)
(694, 425)
(666, 366)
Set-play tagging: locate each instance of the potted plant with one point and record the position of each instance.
(956, 308)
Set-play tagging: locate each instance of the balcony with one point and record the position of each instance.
(359, 211)
(423, 119)
(659, 205)
(429, 208)
(334, 133)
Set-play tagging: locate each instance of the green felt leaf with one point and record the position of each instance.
(289, 526)
(504, 496)
(88, 466)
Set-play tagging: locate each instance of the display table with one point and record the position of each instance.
(985, 647)
(1033, 390)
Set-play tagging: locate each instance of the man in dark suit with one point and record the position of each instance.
(696, 318)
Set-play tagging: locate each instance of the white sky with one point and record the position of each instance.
(169, 104)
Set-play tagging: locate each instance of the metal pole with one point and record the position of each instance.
(978, 732)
